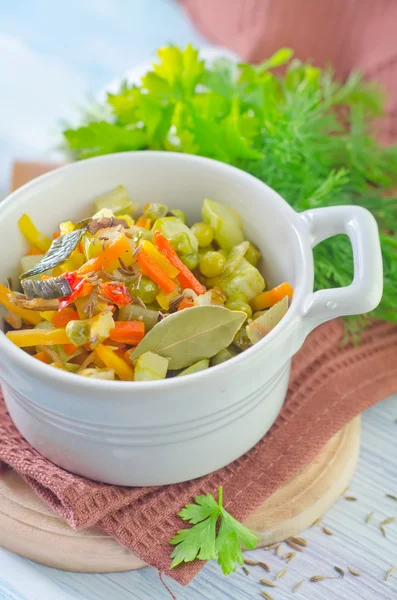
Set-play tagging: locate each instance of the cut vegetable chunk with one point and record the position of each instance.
(225, 222)
(257, 329)
(129, 332)
(150, 367)
(201, 365)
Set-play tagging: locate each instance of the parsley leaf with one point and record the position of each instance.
(202, 541)
(304, 133)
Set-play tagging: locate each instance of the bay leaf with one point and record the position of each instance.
(191, 335)
(59, 251)
(55, 287)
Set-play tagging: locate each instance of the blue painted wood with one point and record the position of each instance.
(354, 544)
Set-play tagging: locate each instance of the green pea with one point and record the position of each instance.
(204, 233)
(175, 212)
(238, 301)
(252, 254)
(191, 260)
(145, 289)
(212, 264)
(78, 332)
(181, 243)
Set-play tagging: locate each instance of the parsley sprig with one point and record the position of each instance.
(215, 535)
(305, 134)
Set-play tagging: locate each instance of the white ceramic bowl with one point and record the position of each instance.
(153, 433)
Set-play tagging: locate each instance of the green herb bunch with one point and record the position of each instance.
(303, 133)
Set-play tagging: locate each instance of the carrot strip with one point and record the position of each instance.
(160, 259)
(186, 303)
(62, 318)
(107, 257)
(42, 356)
(56, 235)
(152, 270)
(129, 332)
(185, 278)
(69, 349)
(270, 298)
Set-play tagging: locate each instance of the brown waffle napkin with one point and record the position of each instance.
(329, 386)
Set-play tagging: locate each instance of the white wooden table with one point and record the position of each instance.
(354, 543)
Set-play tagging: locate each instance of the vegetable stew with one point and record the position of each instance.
(138, 297)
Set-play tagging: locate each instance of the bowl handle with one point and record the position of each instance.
(365, 292)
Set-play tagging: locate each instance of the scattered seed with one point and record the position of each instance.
(354, 572)
(291, 558)
(267, 582)
(383, 530)
(299, 540)
(388, 520)
(297, 586)
(369, 517)
(316, 578)
(350, 498)
(281, 574)
(266, 595)
(264, 566)
(246, 571)
(390, 572)
(392, 496)
(293, 546)
(316, 522)
(340, 571)
(279, 549)
(252, 563)
(328, 531)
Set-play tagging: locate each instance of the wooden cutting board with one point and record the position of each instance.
(29, 528)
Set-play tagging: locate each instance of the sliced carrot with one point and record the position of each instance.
(69, 349)
(42, 356)
(56, 235)
(160, 259)
(127, 358)
(33, 251)
(104, 259)
(62, 318)
(185, 278)
(152, 270)
(129, 332)
(270, 298)
(186, 303)
(86, 289)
